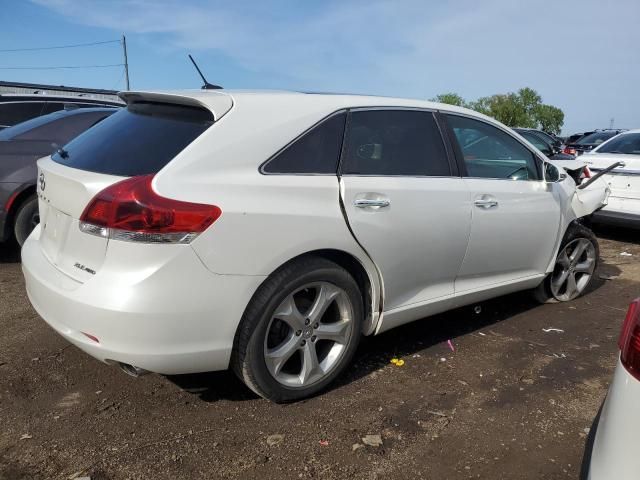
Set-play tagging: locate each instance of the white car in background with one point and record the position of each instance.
(615, 449)
(623, 207)
(267, 231)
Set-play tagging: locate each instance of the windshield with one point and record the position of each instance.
(137, 140)
(596, 138)
(19, 129)
(628, 143)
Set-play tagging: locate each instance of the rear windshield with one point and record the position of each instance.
(628, 143)
(12, 132)
(596, 138)
(138, 140)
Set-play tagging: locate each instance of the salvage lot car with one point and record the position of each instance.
(614, 450)
(193, 231)
(20, 147)
(624, 203)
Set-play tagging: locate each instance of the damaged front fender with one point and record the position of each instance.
(586, 198)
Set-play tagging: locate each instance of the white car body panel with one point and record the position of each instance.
(521, 216)
(422, 263)
(615, 450)
(176, 308)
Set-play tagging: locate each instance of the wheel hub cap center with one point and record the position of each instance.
(307, 332)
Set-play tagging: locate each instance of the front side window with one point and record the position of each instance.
(394, 142)
(315, 152)
(628, 143)
(488, 152)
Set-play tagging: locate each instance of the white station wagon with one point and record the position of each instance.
(268, 231)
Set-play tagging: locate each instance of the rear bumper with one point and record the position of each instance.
(617, 217)
(171, 317)
(614, 454)
(4, 231)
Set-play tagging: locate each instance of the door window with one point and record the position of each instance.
(488, 152)
(394, 142)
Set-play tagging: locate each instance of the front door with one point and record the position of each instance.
(515, 214)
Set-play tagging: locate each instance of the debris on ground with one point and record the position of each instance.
(25, 436)
(324, 443)
(275, 439)
(372, 440)
(604, 276)
(450, 343)
(626, 254)
(397, 362)
(356, 446)
(551, 329)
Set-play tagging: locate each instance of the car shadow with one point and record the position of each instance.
(375, 352)
(9, 252)
(618, 234)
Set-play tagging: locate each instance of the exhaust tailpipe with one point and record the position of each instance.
(131, 370)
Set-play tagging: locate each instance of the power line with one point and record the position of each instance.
(58, 67)
(57, 47)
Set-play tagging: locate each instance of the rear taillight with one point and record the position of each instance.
(130, 210)
(629, 342)
(569, 150)
(586, 173)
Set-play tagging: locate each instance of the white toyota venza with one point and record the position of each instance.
(268, 231)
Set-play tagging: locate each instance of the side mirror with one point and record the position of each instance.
(552, 173)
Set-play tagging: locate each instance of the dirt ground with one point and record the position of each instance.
(512, 401)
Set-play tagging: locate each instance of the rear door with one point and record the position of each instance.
(516, 215)
(405, 203)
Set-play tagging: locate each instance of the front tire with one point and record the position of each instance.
(27, 218)
(574, 269)
(300, 330)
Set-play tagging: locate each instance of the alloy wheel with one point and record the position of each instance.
(573, 270)
(308, 333)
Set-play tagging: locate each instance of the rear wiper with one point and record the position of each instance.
(60, 151)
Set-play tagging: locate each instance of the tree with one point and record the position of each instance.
(450, 99)
(523, 108)
(549, 118)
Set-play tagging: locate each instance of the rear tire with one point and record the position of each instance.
(299, 331)
(27, 217)
(574, 269)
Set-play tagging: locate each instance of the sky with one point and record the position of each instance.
(582, 56)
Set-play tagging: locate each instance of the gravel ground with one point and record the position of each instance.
(512, 401)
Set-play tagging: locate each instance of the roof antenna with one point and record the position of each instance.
(206, 85)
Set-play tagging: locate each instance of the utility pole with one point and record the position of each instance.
(611, 122)
(126, 62)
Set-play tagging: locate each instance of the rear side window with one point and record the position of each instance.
(137, 140)
(315, 152)
(394, 142)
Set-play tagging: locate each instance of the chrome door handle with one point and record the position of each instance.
(366, 202)
(485, 203)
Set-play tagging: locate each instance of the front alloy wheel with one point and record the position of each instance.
(574, 269)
